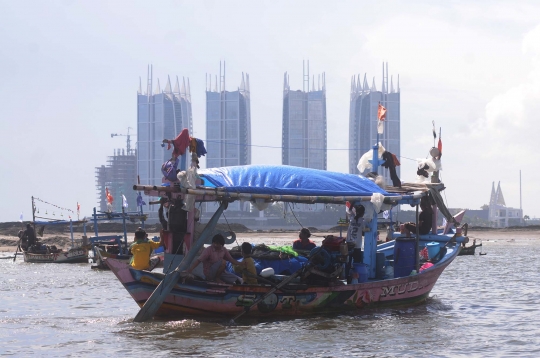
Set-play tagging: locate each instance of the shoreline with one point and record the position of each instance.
(8, 244)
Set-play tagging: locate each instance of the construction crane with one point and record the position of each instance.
(128, 139)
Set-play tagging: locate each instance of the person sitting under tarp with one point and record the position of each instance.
(142, 249)
(424, 220)
(214, 259)
(303, 242)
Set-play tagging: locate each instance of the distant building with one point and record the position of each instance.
(304, 123)
(161, 114)
(118, 176)
(228, 123)
(499, 214)
(364, 103)
(228, 128)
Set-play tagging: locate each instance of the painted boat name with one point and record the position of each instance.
(400, 289)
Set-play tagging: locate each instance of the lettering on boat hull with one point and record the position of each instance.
(400, 289)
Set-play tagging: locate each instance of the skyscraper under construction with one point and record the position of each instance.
(228, 126)
(161, 114)
(364, 104)
(228, 122)
(118, 176)
(304, 122)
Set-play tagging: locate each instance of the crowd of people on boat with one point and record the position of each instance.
(215, 258)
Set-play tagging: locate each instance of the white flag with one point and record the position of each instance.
(444, 222)
(386, 214)
(124, 201)
(21, 217)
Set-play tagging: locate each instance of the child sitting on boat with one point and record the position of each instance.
(249, 272)
(142, 249)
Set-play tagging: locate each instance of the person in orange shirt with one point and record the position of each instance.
(142, 249)
(303, 242)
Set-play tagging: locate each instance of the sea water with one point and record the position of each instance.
(481, 306)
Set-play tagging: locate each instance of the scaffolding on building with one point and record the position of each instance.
(119, 176)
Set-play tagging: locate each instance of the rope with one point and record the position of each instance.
(229, 225)
(298, 221)
(292, 212)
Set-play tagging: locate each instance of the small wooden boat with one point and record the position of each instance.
(74, 255)
(40, 253)
(469, 250)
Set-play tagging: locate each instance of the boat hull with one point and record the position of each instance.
(205, 299)
(79, 255)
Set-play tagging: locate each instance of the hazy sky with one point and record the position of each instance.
(70, 72)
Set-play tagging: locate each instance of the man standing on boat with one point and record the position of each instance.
(214, 259)
(29, 235)
(142, 249)
(356, 224)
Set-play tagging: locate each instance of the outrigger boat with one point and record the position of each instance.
(172, 293)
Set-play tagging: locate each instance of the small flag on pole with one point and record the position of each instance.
(381, 116)
(124, 201)
(439, 145)
(140, 201)
(110, 198)
(21, 217)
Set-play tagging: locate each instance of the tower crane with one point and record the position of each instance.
(128, 139)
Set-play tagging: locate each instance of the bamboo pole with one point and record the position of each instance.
(218, 194)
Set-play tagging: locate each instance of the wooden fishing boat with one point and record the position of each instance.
(210, 299)
(74, 255)
(174, 293)
(39, 253)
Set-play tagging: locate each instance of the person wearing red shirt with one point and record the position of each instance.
(303, 242)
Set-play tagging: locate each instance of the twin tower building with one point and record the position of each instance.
(163, 113)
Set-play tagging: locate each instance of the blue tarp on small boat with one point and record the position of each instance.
(288, 180)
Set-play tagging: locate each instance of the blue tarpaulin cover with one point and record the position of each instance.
(288, 180)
